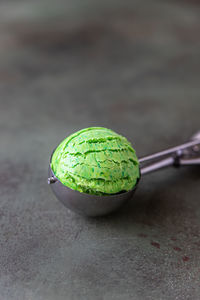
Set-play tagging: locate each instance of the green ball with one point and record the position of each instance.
(96, 161)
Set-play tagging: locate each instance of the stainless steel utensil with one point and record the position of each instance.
(93, 205)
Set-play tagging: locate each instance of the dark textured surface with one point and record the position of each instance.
(133, 67)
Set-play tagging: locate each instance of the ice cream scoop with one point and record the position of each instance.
(95, 170)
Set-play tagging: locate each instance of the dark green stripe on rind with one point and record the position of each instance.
(96, 161)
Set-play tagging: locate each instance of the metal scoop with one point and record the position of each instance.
(93, 205)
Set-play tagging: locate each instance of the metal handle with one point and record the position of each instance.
(158, 165)
(182, 155)
(170, 151)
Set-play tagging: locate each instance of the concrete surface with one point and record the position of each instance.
(133, 66)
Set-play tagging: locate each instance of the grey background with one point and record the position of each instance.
(133, 66)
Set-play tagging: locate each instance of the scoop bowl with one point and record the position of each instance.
(87, 204)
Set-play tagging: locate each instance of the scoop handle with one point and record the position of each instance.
(169, 151)
(182, 155)
(170, 161)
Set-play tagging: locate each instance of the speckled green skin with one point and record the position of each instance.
(97, 161)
